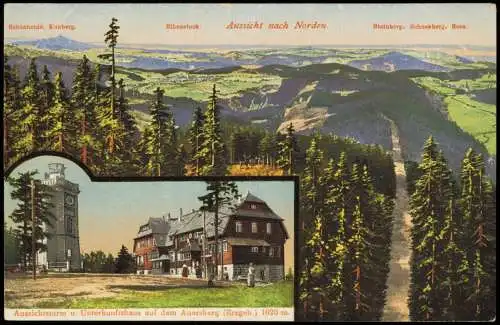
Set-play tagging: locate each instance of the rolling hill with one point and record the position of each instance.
(330, 97)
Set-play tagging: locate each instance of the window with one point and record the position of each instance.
(263, 249)
(69, 224)
(271, 251)
(278, 251)
(253, 206)
(224, 244)
(268, 227)
(154, 242)
(239, 226)
(255, 249)
(254, 227)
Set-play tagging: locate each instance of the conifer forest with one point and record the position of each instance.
(348, 190)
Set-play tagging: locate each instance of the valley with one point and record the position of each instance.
(343, 91)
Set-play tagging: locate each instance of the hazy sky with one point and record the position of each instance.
(347, 23)
(110, 213)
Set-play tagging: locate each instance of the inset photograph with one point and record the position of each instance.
(217, 244)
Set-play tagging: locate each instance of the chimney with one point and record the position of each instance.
(180, 214)
(193, 210)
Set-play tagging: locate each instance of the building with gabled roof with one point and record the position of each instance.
(251, 232)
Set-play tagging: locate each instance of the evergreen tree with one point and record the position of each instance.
(142, 158)
(22, 214)
(109, 265)
(32, 107)
(477, 204)
(63, 125)
(111, 40)
(182, 160)
(213, 152)
(219, 194)
(364, 270)
(312, 234)
(46, 103)
(338, 206)
(431, 198)
(121, 162)
(162, 147)
(11, 112)
(124, 262)
(288, 149)
(83, 104)
(267, 148)
(11, 246)
(196, 140)
(455, 259)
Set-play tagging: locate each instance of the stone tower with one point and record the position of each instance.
(63, 246)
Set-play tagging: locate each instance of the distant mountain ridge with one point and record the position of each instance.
(56, 43)
(396, 61)
(373, 59)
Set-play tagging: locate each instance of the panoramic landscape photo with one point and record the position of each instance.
(387, 113)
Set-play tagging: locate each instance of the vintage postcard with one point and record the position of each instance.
(353, 146)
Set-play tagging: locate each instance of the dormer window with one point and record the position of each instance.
(268, 228)
(253, 206)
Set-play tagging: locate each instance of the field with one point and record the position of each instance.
(132, 291)
(462, 100)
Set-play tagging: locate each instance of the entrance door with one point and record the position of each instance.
(166, 266)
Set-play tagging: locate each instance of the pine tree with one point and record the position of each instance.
(288, 148)
(364, 268)
(142, 158)
(311, 237)
(219, 194)
(213, 151)
(124, 262)
(182, 160)
(11, 112)
(11, 246)
(455, 259)
(22, 216)
(83, 104)
(63, 125)
(196, 140)
(31, 127)
(429, 201)
(46, 103)
(162, 147)
(125, 137)
(479, 236)
(338, 207)
(111, 40)
(267, 147)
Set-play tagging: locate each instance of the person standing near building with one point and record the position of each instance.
(251, 276)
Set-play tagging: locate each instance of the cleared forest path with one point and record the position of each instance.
(398, 282)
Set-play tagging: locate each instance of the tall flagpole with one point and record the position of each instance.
(33, 238)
